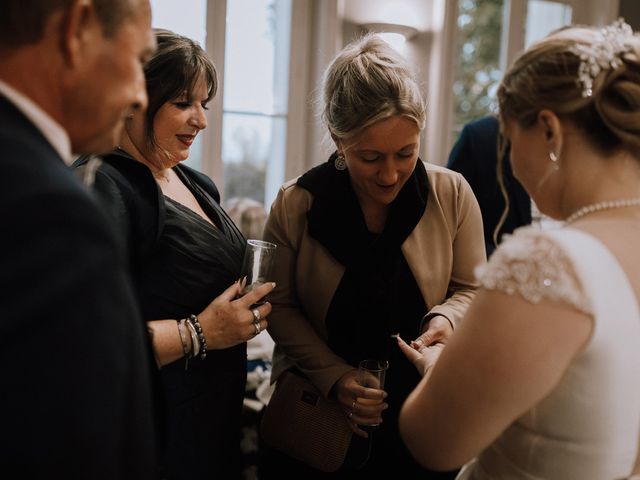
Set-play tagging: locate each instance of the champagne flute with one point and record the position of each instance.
(371, 374)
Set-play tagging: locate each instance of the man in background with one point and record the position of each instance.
(75, 397)
(475, 156)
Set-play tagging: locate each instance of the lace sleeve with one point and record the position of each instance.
(532, 265)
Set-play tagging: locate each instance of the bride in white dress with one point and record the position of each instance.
(542, 378)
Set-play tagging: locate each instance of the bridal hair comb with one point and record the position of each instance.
(602, 54)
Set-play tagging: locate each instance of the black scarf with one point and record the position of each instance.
(377, 295)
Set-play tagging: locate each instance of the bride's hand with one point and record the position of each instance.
(423, 357)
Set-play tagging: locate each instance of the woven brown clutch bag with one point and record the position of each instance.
(301, 423)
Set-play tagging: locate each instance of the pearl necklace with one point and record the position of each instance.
(595, 207)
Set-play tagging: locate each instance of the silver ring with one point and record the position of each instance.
(256, 315)
(256, 325)
(353, 405)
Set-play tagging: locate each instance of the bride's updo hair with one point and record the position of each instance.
(368, 81)
(546, 76)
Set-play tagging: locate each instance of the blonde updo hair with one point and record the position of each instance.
(368, 81)
(545, 76)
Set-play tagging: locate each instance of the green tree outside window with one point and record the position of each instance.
(478, 60)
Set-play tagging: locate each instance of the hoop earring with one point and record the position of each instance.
(340, 162)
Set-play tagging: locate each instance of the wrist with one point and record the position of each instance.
(439, 322)
(197, 334)
(425, 368)
(185, 341)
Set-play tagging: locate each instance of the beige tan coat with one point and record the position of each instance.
(442, 252)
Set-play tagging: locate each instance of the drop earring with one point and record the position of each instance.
(340, 162)
(553, 168)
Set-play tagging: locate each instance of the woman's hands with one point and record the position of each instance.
(423, 357)
(425, 350)
(437, 330)
(362, 405)
(230, 320)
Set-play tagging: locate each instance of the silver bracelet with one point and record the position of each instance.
(194, 339)
(183, 340)
(193, 320)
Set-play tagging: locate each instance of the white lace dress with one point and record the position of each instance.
(587, 428)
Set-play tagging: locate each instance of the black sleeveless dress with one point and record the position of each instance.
(180, 263)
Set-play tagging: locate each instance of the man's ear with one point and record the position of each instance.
(552, 129)
(78, 28)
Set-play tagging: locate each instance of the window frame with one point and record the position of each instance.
(212, 164)
(440, 116)
(317, 35)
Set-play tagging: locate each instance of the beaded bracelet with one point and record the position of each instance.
(193, 320)
(183, 340)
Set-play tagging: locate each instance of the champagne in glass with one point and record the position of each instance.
(371, 374)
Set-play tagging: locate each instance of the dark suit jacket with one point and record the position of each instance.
(74, 371)
(475, 156)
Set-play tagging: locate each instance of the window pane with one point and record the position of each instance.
(190, 22)
(544, 17)
(253, 150)
(478, 60)
(255, 97)
(173, 16)
(256, 54)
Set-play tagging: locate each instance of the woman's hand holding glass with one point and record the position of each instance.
(363, 406)
(232, 319)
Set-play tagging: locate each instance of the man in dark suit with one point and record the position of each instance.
(75, 397)
(475, 156)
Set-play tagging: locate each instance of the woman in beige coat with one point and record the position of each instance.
(371, 244)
